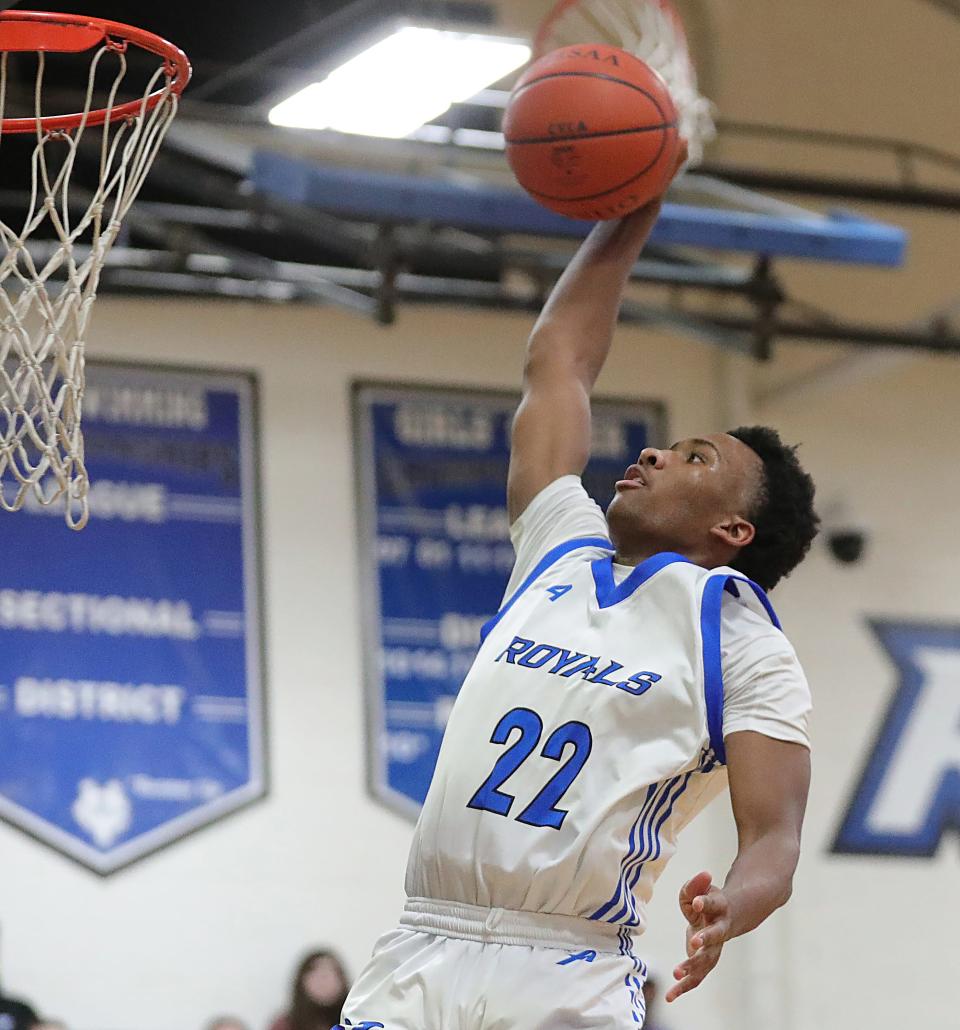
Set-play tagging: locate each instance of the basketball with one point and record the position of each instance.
(591, 132)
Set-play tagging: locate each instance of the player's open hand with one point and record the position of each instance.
(707, 912)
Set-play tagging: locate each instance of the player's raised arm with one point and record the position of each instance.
(567, 349)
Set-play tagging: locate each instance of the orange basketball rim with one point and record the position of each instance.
(43, 32)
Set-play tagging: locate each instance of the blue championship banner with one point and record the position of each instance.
(130, 652)
(435, 543)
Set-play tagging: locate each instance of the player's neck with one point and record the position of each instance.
(637, 554)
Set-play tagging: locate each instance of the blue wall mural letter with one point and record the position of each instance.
(909, 792)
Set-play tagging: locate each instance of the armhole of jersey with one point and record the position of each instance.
(539, 569)
(711, 605)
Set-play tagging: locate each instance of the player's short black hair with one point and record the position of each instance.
(783, 512)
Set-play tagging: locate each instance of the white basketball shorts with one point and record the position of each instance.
(459, 967)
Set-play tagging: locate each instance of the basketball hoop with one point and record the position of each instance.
(46, 297)
(648, 29)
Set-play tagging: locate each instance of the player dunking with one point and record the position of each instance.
(634, 668)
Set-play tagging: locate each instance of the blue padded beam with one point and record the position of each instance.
(382, 196)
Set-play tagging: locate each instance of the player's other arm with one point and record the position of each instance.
(769, 781)
(567, 349)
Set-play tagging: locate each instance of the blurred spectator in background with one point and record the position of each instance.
(650, 991)
(319, 990)
(226, 1023)
(16, 1015)
(50, 1024)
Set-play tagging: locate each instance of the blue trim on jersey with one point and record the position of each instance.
(633, 983)
(652, 792)
(630, 899)
(552, 556)
(632, 865)
(710, 608)
(765, 601)
(610, 593)
(657, 795)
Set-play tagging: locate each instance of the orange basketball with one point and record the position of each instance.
(591, 132)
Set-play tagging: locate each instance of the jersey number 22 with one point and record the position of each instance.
(542, 810)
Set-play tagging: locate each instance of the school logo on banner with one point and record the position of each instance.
(908, 795)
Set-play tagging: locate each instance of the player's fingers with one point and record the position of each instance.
(686, 984)
(711, 906)
(696, 885)
(710, 936)
(698, 964)
(647, 214)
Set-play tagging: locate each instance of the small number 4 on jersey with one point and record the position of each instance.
(557, 592)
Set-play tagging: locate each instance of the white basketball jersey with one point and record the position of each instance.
(587, 733)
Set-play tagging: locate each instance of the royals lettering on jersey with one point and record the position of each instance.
(568, 663)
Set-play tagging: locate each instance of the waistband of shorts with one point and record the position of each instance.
(509, 926)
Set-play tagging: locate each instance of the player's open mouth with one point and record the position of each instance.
(633, 477)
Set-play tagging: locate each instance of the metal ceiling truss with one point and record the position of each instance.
(200, 231)
(909, 160)
(230, 273)
(377, 263)
(190, 263)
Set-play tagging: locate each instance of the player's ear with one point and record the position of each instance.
(734, 531)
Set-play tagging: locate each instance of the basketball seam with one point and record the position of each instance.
(591, 75)
(591, 135)
(613, 189)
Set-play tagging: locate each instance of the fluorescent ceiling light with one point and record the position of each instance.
(402, 82)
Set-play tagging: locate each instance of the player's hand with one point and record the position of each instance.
(707, 911)
(645, 216)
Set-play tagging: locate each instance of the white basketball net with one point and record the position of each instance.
(652, 31)
(47, 287)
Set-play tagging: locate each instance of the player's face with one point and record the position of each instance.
(674, 499)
